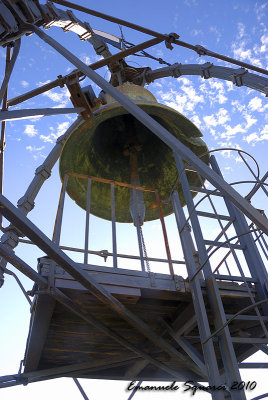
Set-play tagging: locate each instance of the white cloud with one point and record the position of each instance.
(30, 130)
(55, 133)
(24, 83)
(255, 137)
(260, 10)
(255, 104)
(250, 121)
(232, 131)
(219, 118)
(214, 90)
(40, 83)
(216, 33)
(62, 98)
(33, 148)
(46, 139)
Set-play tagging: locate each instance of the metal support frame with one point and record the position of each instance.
(66, 301)
(172, 38)
(37, 112)
(225, 343)
(251, 253)
(58, 221)
(232, 198)
(113, 227)
(214, 377)
(3, 128)
(161, 132)
(58, 256)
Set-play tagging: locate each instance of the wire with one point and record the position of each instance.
(128, 45)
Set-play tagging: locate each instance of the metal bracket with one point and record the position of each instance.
(206, 70)
(88, 34)
(10, 238)
(43, 171)
(77, 96)
(179, 283)
(237, 77)
(152, 279)
(176, 72)
(171, 39)
(73, 22)
(26, 203)
(200, 50)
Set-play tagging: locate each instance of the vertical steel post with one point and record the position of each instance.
(251, 253)
(171, 270)
(225, 343)
(3, 129)
(198, 301)
(113, 226)
(138, 228)
(87, 220)
(58, 221)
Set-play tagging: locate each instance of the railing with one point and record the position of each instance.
(142, 257)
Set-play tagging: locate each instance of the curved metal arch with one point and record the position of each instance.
(48, 15)
(238, 76)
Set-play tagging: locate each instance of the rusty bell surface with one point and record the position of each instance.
(101, 147)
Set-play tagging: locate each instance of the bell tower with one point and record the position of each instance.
(132, 161)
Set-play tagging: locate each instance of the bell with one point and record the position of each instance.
(115, 145)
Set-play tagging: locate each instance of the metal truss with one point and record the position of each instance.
(16, 21)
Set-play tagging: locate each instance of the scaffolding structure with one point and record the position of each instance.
(211, 345)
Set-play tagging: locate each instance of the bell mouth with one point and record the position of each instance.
(96, 148)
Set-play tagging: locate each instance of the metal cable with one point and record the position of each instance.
(128, 45)
(233, 317)
(7, 271)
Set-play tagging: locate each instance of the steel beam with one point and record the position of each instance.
(81, 390)
(238, 76)
(9, 69)
(199, 305)
(98, 64)
(161, 132)
(225, 343)
(37, 112)
(3, 128)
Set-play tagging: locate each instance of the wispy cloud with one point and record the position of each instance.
(30, 130)
(24, 84)
(33, 148)
(55, 133)
(257, 137)
(62, 97)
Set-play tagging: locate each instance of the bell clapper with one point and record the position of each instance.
(131, 148)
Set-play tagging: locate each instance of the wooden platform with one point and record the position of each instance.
(58, 338)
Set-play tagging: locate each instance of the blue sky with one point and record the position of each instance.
(226, 115)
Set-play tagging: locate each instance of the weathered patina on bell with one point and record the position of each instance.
(101, 147)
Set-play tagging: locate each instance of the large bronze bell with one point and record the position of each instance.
(110, 143)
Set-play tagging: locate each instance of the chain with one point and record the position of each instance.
(144, 249)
